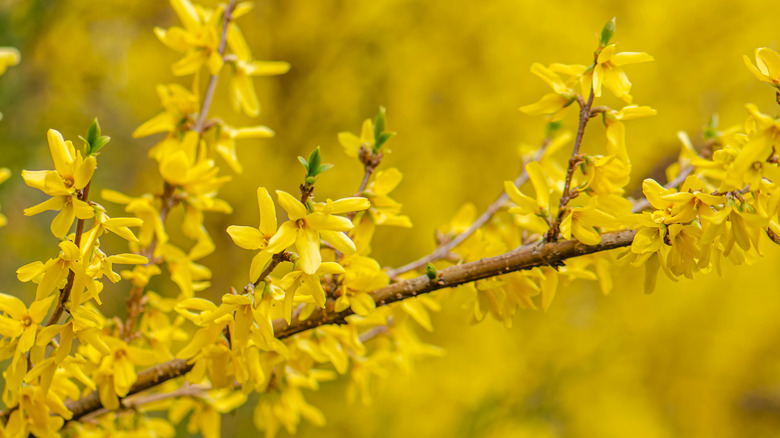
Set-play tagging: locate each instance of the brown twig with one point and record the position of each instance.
(275, 260)
(147, 378)
(574, 161)
(132, 403)
(525, 257)
(134, 309)
(370, 162)
(212, 86)
(444, 249)
(65, 292)
(168, 198)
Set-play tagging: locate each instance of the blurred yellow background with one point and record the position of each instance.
(697, 358)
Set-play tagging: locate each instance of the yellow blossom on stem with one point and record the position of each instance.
(34, 416)
(763, 134)
(304, 229)
(352, 143)
(144, 208)
(385, 210)
(21, 322)
(767, 68)
(608, 72)
(226, 142)
(242, 90)
(581, 222)
(116, 372)
(534, 212)
(306, 287)
(362, 275)
(179, 104)
(550, 104)
(55, 270)
(72, 174)
(257, 238)
(198, 39)
(188, 275)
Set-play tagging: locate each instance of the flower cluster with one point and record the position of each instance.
(316, 295)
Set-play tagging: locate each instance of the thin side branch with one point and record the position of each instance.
(65, 292)
(168, 199)
(370, 162)
(525, 257)
(209, 96)
(135, 402)
(444, 249)
(275, 260)
(569, 194)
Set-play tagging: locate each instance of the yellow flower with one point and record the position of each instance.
(763, 133)
(103, 264)
(188, 275)
(551, 104)
(532, 212)
(72, 174)
(179, 104)
(242, 90)
(116, 373)
(197, 177)
(21, 322)
(305, 228)
(33, 416)
(198, 40)
(103, 223)
(581, 222)
(362, 275)
(55, 270)
(609, 72)
(144, 208)
(385, 210)
(685, 249)
(352, 143)
(226, 142)
(257, 238)
(306, 287)
(768, 62)
(692, 202)
(9, 57)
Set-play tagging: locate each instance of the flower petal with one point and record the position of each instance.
(283, 238)
(63, 221)
(84, 173)
(322, 221)
(308, 245)
(56, 203)
(339, 240)
(347, 205)
(295, 210)
(246, 237)
(267, 212)
(12, 306)
(60, 153)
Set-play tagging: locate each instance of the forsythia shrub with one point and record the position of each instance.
(316, 304)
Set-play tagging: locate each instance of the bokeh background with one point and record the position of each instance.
(697, 358)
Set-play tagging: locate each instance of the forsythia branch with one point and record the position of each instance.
(525, 257)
